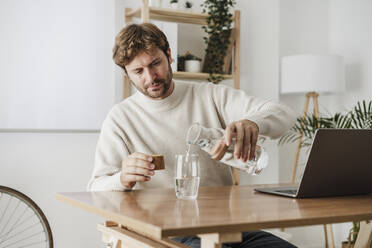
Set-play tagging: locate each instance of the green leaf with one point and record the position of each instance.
(218, 30)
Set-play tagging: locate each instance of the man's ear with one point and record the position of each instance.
(169, 55)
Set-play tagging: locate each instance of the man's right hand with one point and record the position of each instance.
(137, 167)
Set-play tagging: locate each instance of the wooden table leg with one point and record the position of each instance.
(328, 227)
(119, 237)
(215, 240)
(331, 236)
(364, 238)
(109, 240)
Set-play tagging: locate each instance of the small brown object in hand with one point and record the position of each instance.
(158, 162)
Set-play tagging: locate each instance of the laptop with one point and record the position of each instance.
(339, 164)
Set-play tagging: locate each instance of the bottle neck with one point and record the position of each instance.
(193, 134)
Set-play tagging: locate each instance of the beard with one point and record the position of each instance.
(161, 86)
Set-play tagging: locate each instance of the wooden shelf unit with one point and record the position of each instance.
(196, 75)
(146, 13)
(168, 15)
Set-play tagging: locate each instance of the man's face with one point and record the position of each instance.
(151, 73)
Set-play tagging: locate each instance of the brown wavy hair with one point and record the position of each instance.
(137, 38)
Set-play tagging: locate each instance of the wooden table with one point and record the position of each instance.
(147, 218)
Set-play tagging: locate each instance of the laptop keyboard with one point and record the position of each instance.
(288, 191)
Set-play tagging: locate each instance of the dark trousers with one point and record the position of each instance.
(257, 239)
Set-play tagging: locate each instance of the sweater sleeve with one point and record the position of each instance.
(272, 118)
(110, 152)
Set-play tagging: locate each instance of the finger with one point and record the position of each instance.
(135, 178)
(219, 150)
(142, 156)
(230, 133)
(134, 170)
(239, 140)
(134, 161)
(254, 137)
(246, 145)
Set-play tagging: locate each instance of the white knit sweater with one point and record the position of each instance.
(141, 124)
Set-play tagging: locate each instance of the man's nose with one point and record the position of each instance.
(150, 74)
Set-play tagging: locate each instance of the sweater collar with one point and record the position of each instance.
(165, 104)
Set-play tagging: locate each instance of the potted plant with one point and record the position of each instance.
(218, 31)
(360, 117)
(188, 62)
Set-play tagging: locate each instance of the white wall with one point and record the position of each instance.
(303, 27)
(192, 41)
(55, 63)
(351, 36)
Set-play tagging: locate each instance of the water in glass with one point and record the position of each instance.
(187, 175)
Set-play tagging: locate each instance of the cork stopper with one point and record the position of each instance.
(158, 162)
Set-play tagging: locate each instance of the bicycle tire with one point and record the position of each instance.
(29, 205)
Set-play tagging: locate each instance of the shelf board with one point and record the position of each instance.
(133, 12)
(197, 75)
(170, 15)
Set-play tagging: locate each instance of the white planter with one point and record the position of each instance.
(174, 5)
(192, 65)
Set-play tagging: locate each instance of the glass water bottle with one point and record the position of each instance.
(207, 138)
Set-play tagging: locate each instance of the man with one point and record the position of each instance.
(155, 120)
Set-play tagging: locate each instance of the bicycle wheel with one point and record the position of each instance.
(22, 223)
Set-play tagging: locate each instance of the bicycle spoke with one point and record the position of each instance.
(23, 222)
(15, 225)
(6, 209)
(31, 244)
(14, 235)
(27, 219)
(10, 217)
(28, 237)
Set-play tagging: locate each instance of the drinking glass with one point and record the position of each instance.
(187, 175)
